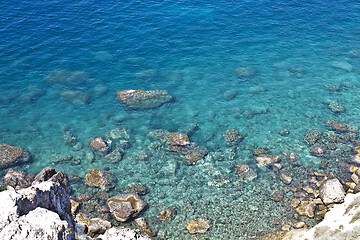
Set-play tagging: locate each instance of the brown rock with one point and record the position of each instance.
(232, 136)
(337, 126)
(180, 139)
(299, 225)
(18, 180)
(306, 208)
(139, 99)
(125, 206)
(198, 225)
(192, 152)
(10, 155)
(318, 150)
(83, 197)
(277, 196)
(98, 144)
(98, 178)
(260, 151)
(165, 215)
(285, 178)
(144, 226)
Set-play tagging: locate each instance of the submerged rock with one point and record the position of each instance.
(336, 107)
(318, 150)
(98, 178)
(312, 137)
(266, 159)
(139, 99)
(11, 156)
(99, 145)
(192, 152)
(340, 127)
(166, 215)
(332, 191)
(232, 136)
(198, 225)
(245, 172)
(343, 65)
(285, 178)
(125, 206)
(65, 77)
(245, 72)
(75, 97)
(180, 139)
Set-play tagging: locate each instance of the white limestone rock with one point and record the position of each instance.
(37, 224)
(123, 234)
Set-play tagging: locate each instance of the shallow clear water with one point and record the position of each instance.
(191, 49)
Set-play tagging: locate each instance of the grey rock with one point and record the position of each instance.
(331, 191)
(18, 180)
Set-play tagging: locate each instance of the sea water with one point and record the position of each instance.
(304, 54)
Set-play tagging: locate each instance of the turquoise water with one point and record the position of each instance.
(191, 49)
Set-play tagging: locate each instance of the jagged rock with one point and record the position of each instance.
(18, 180)
(49, 174)
(166, 215)
(98, 178)
(198, 225)
(125, 206)
(38, 224)
(232, 136)
(98, 226)
(68, 78)
(10, 155)
(139, 99)
(144, 227)
(307, 208)
(22, 210)
(74, 206)
(75, 97)
(266, 159)
(332, 191)
(245, 172)
(123, 234)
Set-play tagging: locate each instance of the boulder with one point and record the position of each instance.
(125, 206)
(98, 178)
(343, 65)
(11, 156)
(312, 137)
(285, 178)
(180, 139)
(318, 150)
(332, 191)
(336, 107)
(18, 180)
(192, 152)
(123, 234)
(139, 99)
(198, 225)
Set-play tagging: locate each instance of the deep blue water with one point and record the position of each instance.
(191, 49)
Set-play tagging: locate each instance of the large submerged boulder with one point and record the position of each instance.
(10, 155)
(139, 99)
(125, 206)
(68, 78)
